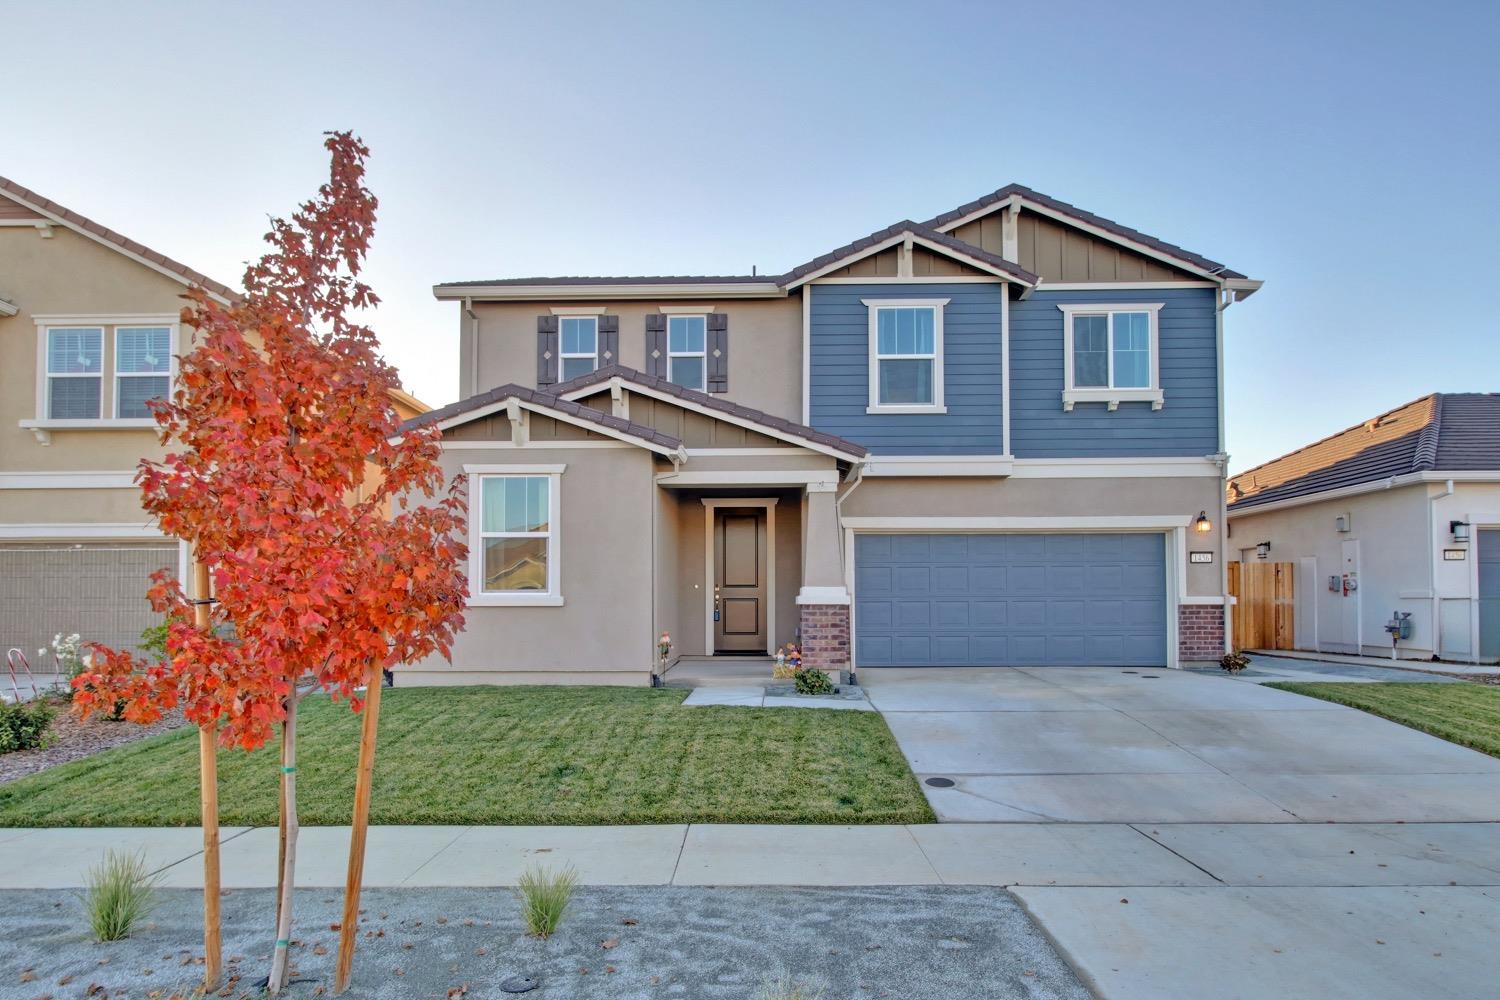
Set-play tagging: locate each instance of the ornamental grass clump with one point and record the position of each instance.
(120, 892)
(786, 988)
(545, 896)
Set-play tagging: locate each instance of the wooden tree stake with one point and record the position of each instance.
(208, 786)
(362, 782)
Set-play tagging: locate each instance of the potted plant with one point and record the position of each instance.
(1234, 662)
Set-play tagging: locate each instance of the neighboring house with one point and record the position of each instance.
(986, 439)
(1398, 514)
(89, 331)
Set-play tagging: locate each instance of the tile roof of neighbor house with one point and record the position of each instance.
(601, 376)
(48, 207)
(1108, 225)
(928, 230)
(501, 393)
(916, 228)
(1442, 432)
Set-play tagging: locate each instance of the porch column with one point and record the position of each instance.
(823, 599)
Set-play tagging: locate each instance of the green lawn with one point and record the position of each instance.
(517, 755)
(1467, 714)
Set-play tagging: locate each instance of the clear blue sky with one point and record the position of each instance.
(1345, 153)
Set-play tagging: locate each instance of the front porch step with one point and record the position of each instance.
(719, 671)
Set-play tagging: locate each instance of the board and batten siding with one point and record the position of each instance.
(840, 371)
(1187, 423)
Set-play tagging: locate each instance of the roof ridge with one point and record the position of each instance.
(1425, 457)
(1328, 437)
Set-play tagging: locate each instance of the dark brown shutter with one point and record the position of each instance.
(609, 341)
(546, 350)
(718, 352)
(656, 345)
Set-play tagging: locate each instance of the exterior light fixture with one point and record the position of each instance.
(1201, 524)
(1262, 550)
(1459, 530)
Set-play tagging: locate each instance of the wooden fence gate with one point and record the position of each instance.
(1265, 605)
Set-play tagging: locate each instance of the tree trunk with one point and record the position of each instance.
(208, 800)
(289, 857)
(362, 784)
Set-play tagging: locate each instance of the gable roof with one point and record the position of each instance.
(996, 198)
(1441, 432)
(63, 216)
(487, 402)
(780, 427)
(941, 242)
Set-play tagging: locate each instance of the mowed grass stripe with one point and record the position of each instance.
(1466, 714)
(517, 755)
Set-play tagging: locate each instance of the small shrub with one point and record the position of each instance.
(786, 988)
(1234, 662)
(23, 726)
(154, 642)
(811, 680)
(120, 892)
(544, 898)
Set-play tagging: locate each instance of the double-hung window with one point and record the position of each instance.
(75, 372)
(143, 358)
(578, 337)
(906, 355)
(1110, 354)
(513, 543)
(687, 351)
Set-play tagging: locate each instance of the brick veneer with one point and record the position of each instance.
(825, 637)
(1200, 632)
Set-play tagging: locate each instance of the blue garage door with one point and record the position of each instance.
(1010, 600)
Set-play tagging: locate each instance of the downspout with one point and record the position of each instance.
(1224, 299)
(857, 474)
(468, 311)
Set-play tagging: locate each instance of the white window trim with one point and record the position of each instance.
(688, 354)
(936, 305)
(42, 425)
(170, 373)
(524, 598)
(563, 356)
(1110, 395)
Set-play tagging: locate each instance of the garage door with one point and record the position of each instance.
(1010, 600)
(96, 590)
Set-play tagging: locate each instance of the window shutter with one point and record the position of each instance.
(546, 350)
(656, 345)
(718, 352)
(609, 341)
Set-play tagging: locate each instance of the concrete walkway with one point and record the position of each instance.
(1110, 745)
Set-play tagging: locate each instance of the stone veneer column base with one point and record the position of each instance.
(825, 638)
(1200, 632)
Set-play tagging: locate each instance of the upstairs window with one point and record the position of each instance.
(75, 372)
(1111, 354)
(687, 350)
(906, 355)
(579, 341)
(143, 359)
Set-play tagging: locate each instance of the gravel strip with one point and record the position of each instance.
(917, 943)
(73, 739)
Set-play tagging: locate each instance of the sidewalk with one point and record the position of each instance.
(1039, 854)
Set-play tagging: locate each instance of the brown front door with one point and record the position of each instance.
(740, 586)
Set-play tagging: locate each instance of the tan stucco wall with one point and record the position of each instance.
(605, 625)
(68, 274)
(72, 506)
(1054, 497)
(765, 354)
(1402, 533)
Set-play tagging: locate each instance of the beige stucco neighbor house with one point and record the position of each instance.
(1398, 515)
(89, 332)
(992, 438)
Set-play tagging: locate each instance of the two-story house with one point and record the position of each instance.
(993, 438)
(89, 332)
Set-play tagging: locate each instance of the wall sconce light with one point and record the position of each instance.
(1459, 530)
(1341, 524)
(1262, 550)
(1201, 524)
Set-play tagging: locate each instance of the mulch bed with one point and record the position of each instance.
(72, 739)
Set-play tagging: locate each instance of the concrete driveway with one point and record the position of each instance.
(1108, 745)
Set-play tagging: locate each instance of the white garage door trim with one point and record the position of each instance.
(1172, 526)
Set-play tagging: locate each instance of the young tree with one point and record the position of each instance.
(287, 477)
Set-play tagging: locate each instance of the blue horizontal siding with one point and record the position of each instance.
(840, 373)
(1186, 425)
